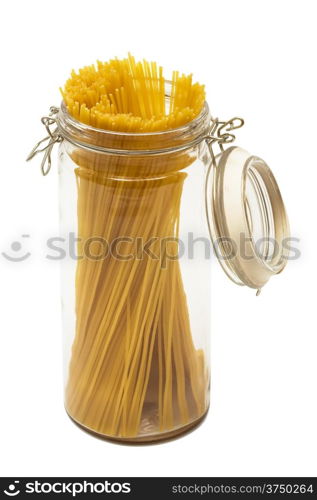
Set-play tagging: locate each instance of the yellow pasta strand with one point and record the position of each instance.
(134, 369)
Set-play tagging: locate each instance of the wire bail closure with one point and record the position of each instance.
(220, 133)
(52, 138)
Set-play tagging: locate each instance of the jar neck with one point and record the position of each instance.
(125, 143)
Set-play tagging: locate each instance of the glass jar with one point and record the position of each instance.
(138, 211)
(136, 299)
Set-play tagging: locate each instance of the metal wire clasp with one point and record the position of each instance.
(52, 138)
(220, 132)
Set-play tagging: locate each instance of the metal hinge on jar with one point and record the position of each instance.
(52, 138)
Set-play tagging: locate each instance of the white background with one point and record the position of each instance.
(257, 59)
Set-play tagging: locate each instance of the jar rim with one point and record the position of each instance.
(183, 128)
(140, 143)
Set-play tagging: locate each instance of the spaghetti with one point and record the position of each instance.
(134, 369)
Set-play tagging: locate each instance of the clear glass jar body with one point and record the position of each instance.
(136, 280)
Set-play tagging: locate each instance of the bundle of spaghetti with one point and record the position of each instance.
(129, 96)
(134, 368)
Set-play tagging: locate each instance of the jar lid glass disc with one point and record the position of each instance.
(247, 218)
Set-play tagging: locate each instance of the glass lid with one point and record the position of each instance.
(246, 216)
